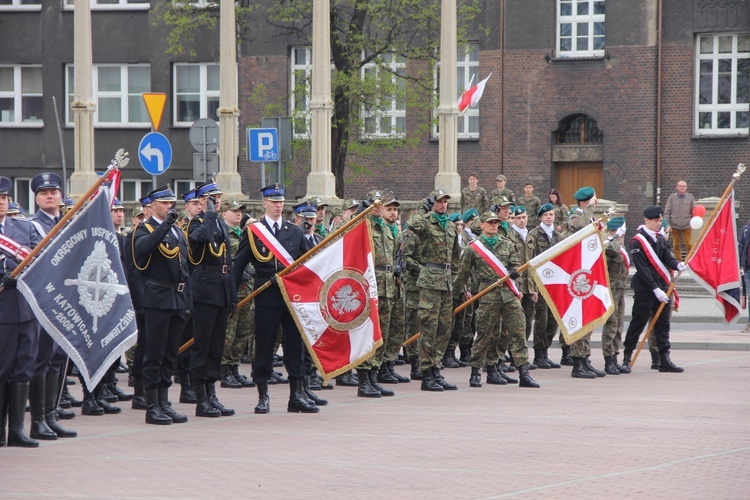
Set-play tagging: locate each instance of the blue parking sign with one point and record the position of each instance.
(263, 144)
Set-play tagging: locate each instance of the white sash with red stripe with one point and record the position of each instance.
(625, 256)
(657, 264)
(268, 239)
(13, 249)
(494, 263)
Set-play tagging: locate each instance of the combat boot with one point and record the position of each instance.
(475, 379)
(384, 375)
(365, 389)
(39, 428)
(346, 379)
(667, 366)
(507, 378)
(242, 379)
(591, 368)
(448, 361)
(264, 402)
(214, 401)
(580, 370)
(441, 381)
(655, 360)
(539, 360)
(318, 401)
(279, 377)
(416, 373)
(626, 360)
(227, 378)
(465, 353)
(111, 383)
(526, 380)
(610, 366)
(166, 407)
(18, 393)
(461, 364)
(187, 392)
(621, 368)
(100, 393)
(551, 363)
(202, 407)
(566, 359)
(154, 413)
(297, 402)
(493, 377)
(50, 400)
(428, 383)
(3, 412)
(89, 405)
(373, 373)
(139, 397)
(401, 379)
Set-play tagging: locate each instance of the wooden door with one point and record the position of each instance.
(571, 176)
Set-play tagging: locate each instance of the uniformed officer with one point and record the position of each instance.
(617, 268)
(526, 284)
(320, 216)
(13, 209)
(502, 190)
(160, 252)
(20, 330)
(214, 299)
(474, 196)
(271, 311)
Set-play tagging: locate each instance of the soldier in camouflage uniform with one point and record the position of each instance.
(525, 283)
(579, 218)
(532, 204)
(617, 267)
(449, 357)
(499, 307)
(320, 216)
(396, 330)
(474, 196)
(501, 190)
(439, 254)
(413, 268)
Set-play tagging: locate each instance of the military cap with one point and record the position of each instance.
(375, 194)
(500, 177)
(207, 188)
(489, 216)
(520, 209)
(585, 193)
(503, 201)
(69, 203)
(653, 212)
(392, 201)
(13, 208)
(274, 192)
(317, 201)
(137, 212)
(455, 217)
(163, 193)
(439, 194)
(615, 223)
(190, 195)
(117, 204)
(547, 207)
(305, 209)
(5, 185)
(146, 200)
(348, 204)
(46, 180)
(470, 214)
(335, 212)
(232, 205)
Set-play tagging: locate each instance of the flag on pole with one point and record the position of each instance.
(333, 298)
(715, 263)
(77, 290)
(572, 276)
(471, 97)
(495, 264)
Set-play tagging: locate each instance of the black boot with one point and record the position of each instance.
(166, 407)
(429, 383)
(187, 392)
(139, 397)
(566, 359)
(493, 377)
(580, 370)
(116, 391)
(475, 379)
(448, 361)
(539, 359)
(507, 378)
(3, 412)
(441, 381)
(37, 392)
(89, 405)
(154, 413)
(401, 379)
(310, 394)
(346, 379)
(461, 364)
(264, 402)
(50, 400)
(279, 377)
(551, 363)
(655, 360)
(18, 393)
(416, 373)
(465, 353)
(100, 393)
(591, 368)
(374, 383)
(297, 402)
(621, 368)
(366, 390)
(385, 376)
(246, 382)
(667, 365)
(214, 401)
(202, 407)
(67, 396)
(227, 378)
(526, 380)
(626, 360)
(610, 366)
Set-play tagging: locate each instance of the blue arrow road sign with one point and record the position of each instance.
(263, 144)
(155, 153)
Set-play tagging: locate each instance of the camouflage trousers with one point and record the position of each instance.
(500, 326)
(545, 326)
(529, 307)
(581, 347)
(384, 311)
(470, 324)
(412, 323)
(457, 331)
(396, 330)
(240, 334)
(612, 331)
(435, 314)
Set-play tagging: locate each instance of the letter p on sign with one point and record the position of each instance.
(263, 144)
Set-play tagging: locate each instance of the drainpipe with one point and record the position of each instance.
(502, 85)
(659, 48)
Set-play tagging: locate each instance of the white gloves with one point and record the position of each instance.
(660, 295)
(682, 266)
(621, 231)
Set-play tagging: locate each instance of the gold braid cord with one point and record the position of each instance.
(169, 253)
(220, 251)
(255, 250)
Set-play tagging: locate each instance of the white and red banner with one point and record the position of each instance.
(471, 97)
(269, 240)
(715, 263)
(333, 297)
(574, 281)
(495, 264)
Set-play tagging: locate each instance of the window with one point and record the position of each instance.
(183, 186)
(723, 74)
(21, 101)
(579, 129)
(20, 4)
(24, 195)
(467, 77)
(301, 73)
(112, 4)
(384, 111)
(117, 93)
(134, 189)
(196, 92)
(580, 28)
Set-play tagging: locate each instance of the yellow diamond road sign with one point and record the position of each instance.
(155, 102)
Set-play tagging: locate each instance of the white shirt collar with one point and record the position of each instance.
(270, 221)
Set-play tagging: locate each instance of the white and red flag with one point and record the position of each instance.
(495, 264)
(715, 263)
(333, 297)
(471, 97)
(574, 281)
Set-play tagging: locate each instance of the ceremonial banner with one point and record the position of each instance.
(78, 292)
(572, 276)
(715, 263)
(333, 297)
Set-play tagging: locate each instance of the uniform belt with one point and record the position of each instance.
(216, 269)
(434, 265)
(180, 287)
(384, 268)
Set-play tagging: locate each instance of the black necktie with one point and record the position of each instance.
(1, 229)
(275, 228)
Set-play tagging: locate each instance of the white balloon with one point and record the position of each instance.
(696, 222)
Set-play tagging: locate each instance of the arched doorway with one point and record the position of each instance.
(577, 155)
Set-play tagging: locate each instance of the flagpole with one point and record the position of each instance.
(735, 177)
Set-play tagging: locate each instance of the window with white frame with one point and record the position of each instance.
(117, 93)
(384, 116)
(182, 186)
(20, 4)
(134, 189)
(24, 195)
(21, 101)
(196, 92)
(580, 28)
(723, 91)
(467, 75)
(112, 4)
(299, 83)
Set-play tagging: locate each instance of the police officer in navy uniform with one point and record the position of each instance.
(270, 308)
(19, 340)
(160, 252)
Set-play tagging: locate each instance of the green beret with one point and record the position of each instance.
(585, 193)
(547, 207)
(615, 223)
(455, 217)
(520, 209)
(470, 214)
